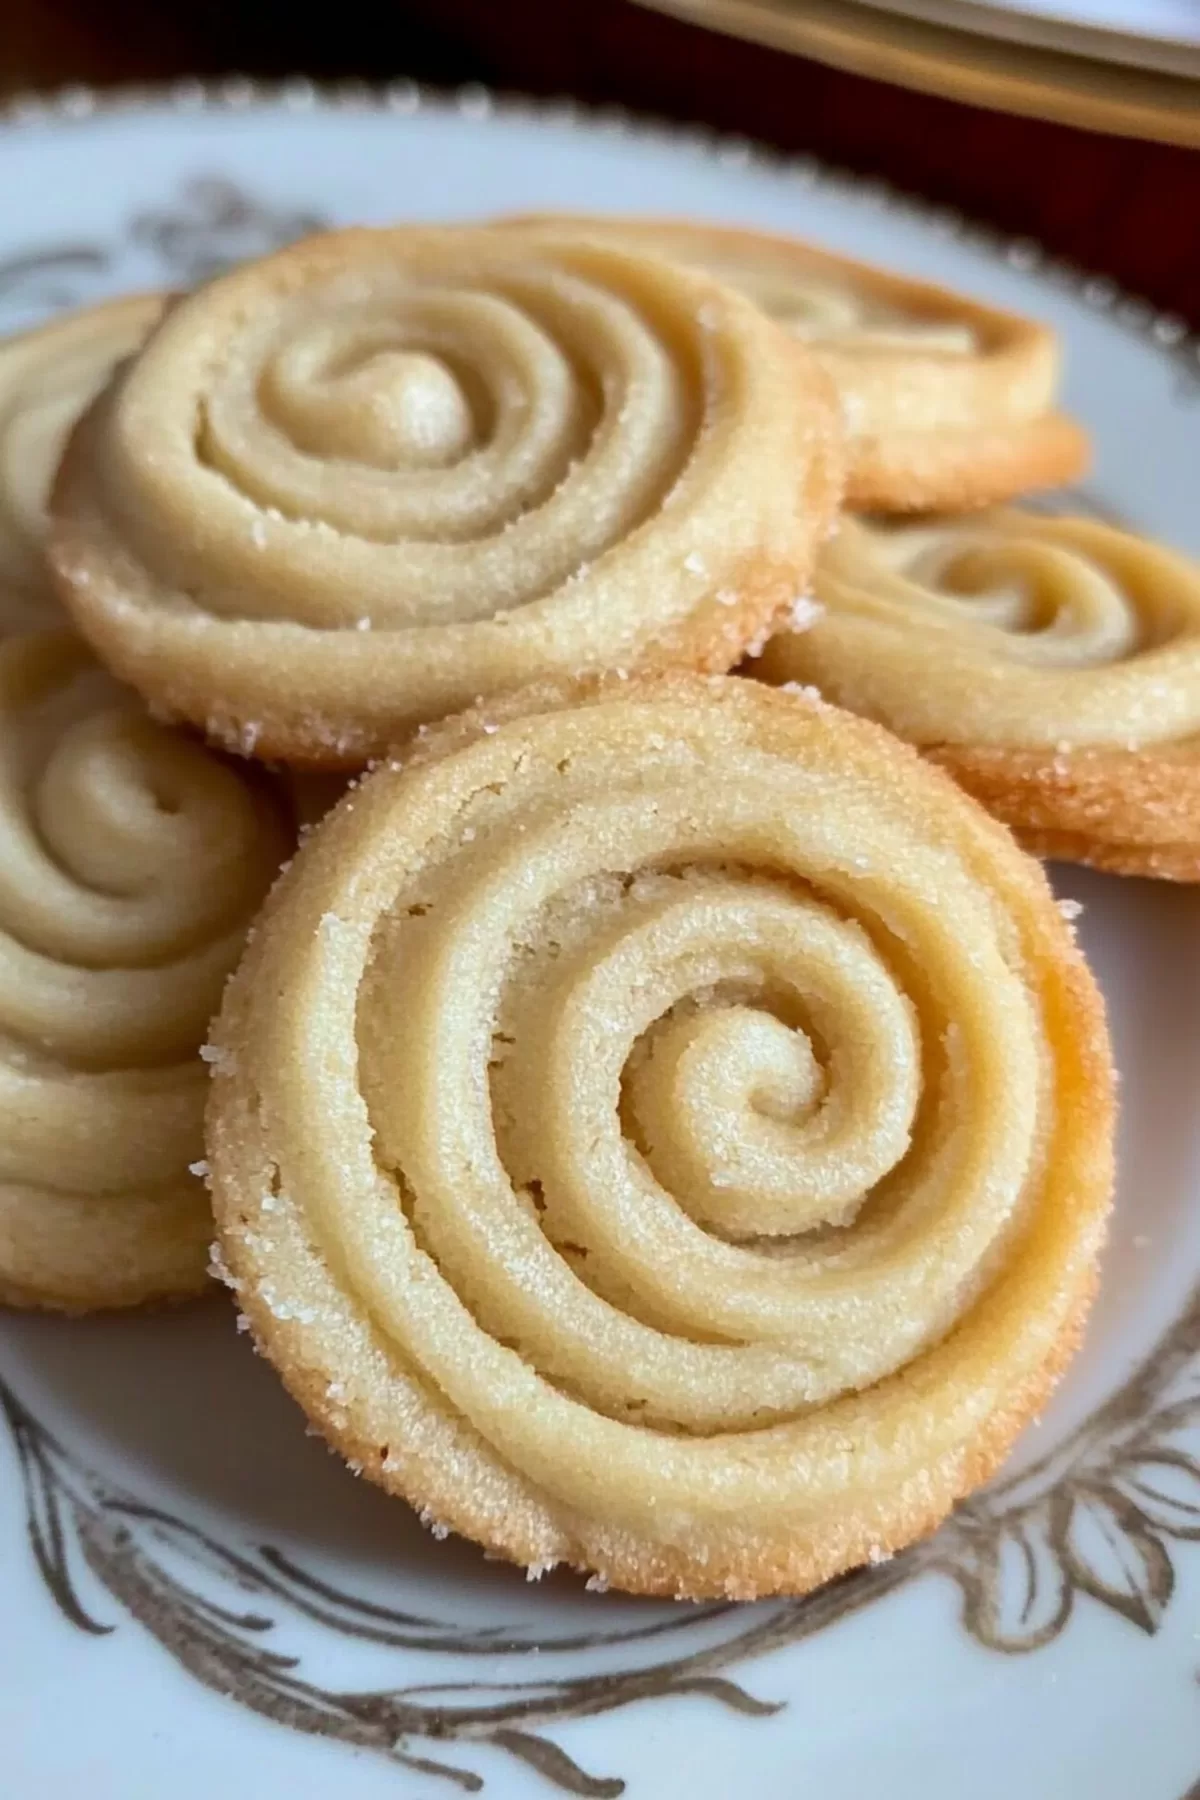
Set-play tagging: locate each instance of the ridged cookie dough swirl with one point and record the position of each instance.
(1043, 632)
(1052, 664)
(668, 1131)
(366, 480)
(131, 863)
(946, 402)
(47, 378)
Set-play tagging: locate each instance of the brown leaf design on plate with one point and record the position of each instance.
(1164, 1486)
(556, 1765)
(1016, 1595)
(1109, 1551)
(214, 224)
(51, 278)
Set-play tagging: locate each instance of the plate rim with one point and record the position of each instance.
(1160, 328)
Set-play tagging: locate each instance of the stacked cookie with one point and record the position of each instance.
(659, 1122)
(133, 862)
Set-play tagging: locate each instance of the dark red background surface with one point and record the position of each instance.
(1127, 209)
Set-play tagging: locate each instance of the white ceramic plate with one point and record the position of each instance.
(196, 1599)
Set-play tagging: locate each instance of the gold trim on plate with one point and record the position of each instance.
(981, 71)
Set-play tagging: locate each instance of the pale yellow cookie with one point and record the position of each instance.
(47, 377)
(666, 1129)
(353, 486)
(131, 863)
(947, 402)
(1051, 664)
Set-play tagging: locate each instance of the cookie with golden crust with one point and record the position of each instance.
(1051, 664)
(131, 863)
(665, 1128)
(352, 487)
(47, 377)
(947, 403)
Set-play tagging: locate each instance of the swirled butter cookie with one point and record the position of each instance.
(667, 1130)
(131, 863)
(369, 479)
(1051, 664)
(947, 402)
(47, 378)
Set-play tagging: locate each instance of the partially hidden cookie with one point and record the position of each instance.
(131, 863)
(358, 484)
(668, 1130)
(47, 377)
(947, 402)
(1051, 664)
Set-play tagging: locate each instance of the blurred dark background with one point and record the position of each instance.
(1115, 205)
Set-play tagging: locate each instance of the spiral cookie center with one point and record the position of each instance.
(763, 1124)
(1061, 606)
(390, 409)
